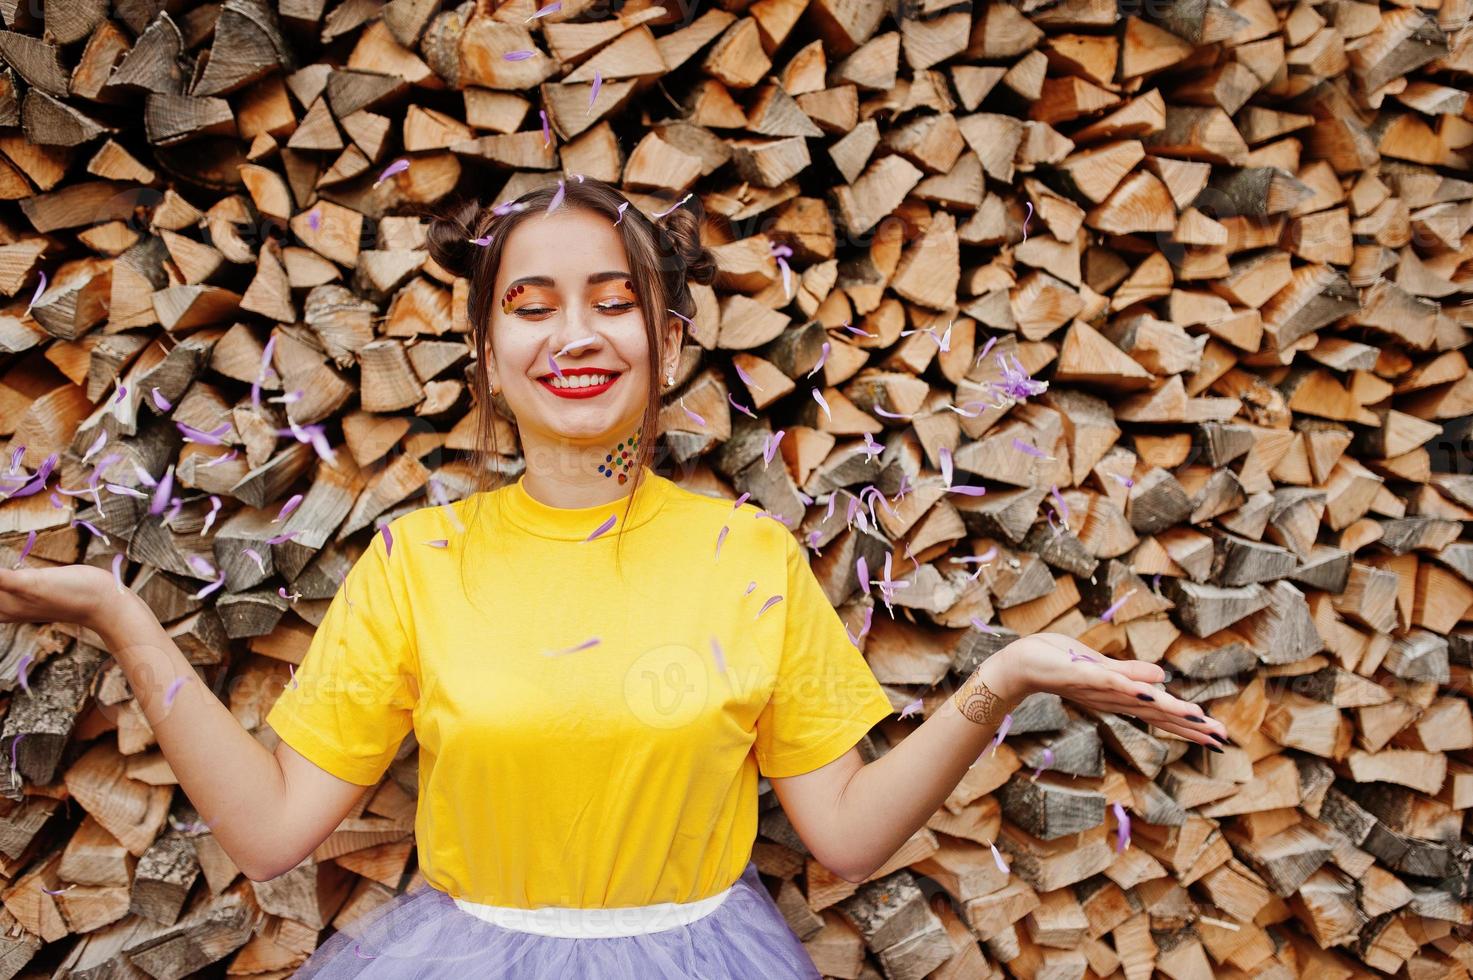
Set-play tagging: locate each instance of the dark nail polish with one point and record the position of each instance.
(1215, 749)
(1198, 719)
(1145, 697)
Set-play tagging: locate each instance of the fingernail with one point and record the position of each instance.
(1198, 719)
(1145, 697)
(1215, 749)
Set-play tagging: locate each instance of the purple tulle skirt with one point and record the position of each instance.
(424, 935)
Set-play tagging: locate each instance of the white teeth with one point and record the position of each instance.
(578, 380)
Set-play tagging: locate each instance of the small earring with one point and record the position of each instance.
(670, 378)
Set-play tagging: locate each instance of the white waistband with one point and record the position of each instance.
(596, 923)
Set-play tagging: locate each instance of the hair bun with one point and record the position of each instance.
(684, 230)
(448, 238)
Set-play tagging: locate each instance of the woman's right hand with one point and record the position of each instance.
(81, 594)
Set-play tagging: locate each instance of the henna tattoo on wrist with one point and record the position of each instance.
(977, 702)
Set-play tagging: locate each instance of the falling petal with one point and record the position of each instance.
(546, 131)
(40, 288)
(1027, 449)
(210, 517)
(985, 349)
(968, 491)
(661, 214)
(1027, 219)
(22, 669)
(1122, 827)
(602, 527)
(158, 399)
(91, 527)
(256, 555)
(558, 197)
(292, 596)
(553, 364)
(1002, 731)
(720, 537)
(210, 588)
(397, 167)
(1075, 657)
(945, 455)
(1048, 760)
(862, 332)
(1059, 500)
(200, 565)
(692, 415)
(162, 493)
(813, 537)
(1109, 613)
(288, 507)
(739, 407)
(388, 540)
(890, 415)
(97, 444)
(768, 605)
(746, 378)
(688, 320)
(58, 891)
(439, 543)
(518, 55)
(284, 536)
(913, 708)
(30, 543)
(598, 83)
(861, 569)
(122, 390)
(483, 241)
(1156, 582)
(716, 653)
(173, 690)
(750, 586)
(211, 438)
(580, 342)
(771, 447)
(222, 459)
(822, 357)
(787, 278)
(1124, 481)
(621, 218)
(819, 397)
(314, 219)
(997, 856)
(582, 646)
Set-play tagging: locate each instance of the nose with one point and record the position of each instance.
(573, 336)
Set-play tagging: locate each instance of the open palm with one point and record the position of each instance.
(1062, 665)
(64, 594)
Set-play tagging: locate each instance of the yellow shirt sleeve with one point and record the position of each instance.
(826, 698)
(352, 700)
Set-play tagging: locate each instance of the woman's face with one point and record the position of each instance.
(565, 282)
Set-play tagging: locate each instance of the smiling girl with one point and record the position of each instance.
(597, 663)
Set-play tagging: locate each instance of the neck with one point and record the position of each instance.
(583, 476)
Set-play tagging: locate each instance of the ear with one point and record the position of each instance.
(674, 334)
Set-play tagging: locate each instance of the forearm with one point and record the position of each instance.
(888, 800)
(233, 780)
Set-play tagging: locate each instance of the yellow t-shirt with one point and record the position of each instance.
(585, 739)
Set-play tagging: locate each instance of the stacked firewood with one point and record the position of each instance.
(1183, 285)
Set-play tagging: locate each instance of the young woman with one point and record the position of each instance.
(597, 663)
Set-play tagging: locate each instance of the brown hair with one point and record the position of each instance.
(664, 253)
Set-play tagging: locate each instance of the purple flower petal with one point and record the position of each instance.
(173, 690)
(553, 364)
(293, 597)
(162, 493)
(693, 416)
(562, 188)
(256, 556)
(210, 588)
(720, 537)
(1048, 760)
(661, 214)
(913, 708)
(288, 507)
(774, 600)
(89, 526)
(1122, 827)
(30, 543)
(518, 55)
(397, 167)
(284, 536)
(210, 517)
(997, 856)
(598, 83)
(388, 540)
(97, 444)
(1027, 219)
(716, 653)
(118, 572)
(314, 219)
(688, 320)
(582, 646)
(969, 491)
(22, 669)
(771, 445)
(36, 296)
(439, 543)
(483, 241)
(746, 378)
(740, 407)
(546, 131)
(602, 527)
(1109, 613)
(222, 459)
(818, 396)
(211, 438)
(551, 8)
(1002, 731)
(158, 399)
(616, 224)
(1028, 449)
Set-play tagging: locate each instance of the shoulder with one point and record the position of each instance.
(752, 530)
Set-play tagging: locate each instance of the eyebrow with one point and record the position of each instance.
(548, 281)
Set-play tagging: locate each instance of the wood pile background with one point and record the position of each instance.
(1234, 236)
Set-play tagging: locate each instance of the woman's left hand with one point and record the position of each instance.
(1059, 664)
